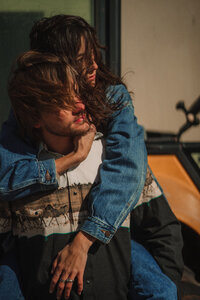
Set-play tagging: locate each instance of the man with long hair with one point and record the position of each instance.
(49, 110)
(123, 171)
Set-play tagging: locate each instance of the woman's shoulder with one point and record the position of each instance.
(116, 88)
(118, 92)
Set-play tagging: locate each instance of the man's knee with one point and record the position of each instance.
(148, 280)
(9, 284)
(170, 290)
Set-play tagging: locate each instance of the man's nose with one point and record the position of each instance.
(80, 106)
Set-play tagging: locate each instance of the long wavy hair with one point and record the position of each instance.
(43, 82)
(62, 35)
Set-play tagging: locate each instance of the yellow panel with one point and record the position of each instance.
(182, 194)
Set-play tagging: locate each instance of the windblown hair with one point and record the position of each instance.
(43, 82)
(62, 35)
(40, 83)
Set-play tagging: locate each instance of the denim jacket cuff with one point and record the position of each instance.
(98, 229)
(47, 169)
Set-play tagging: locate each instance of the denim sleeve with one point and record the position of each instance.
(122, 174)
(21, 173)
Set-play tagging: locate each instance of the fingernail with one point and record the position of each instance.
(50, 291)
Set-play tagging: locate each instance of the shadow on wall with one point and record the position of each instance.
(14, 39)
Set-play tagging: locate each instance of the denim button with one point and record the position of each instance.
(107, 234)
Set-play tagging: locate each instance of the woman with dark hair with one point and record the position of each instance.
(123, 170)
(73, 39)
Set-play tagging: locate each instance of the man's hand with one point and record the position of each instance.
(82, 146)
(69, 264)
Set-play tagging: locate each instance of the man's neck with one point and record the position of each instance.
(59, 144)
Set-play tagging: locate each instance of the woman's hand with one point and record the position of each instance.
(84, 142)
(69, 264)
(82, 146)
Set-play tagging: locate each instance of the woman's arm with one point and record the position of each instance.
(22, 174)
(122, 173)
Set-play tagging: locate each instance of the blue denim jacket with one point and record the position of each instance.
(122, 174)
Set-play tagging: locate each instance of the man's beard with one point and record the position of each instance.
(66, 131)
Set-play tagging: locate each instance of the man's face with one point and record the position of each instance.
(64, 123)
(88, 71)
